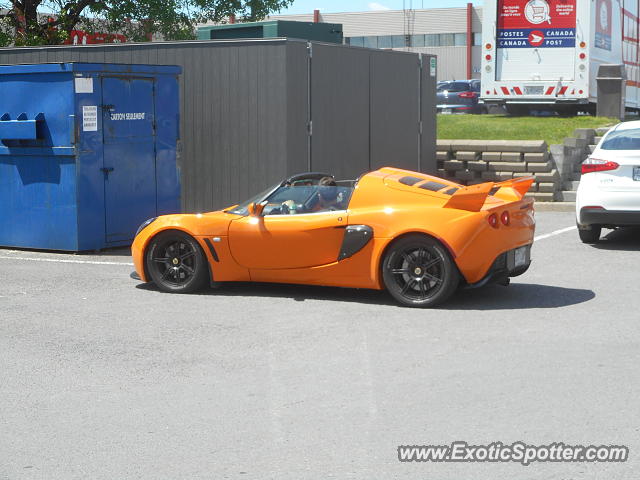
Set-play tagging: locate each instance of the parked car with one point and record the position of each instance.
(417, 236)
(609, 190)
(459, 96)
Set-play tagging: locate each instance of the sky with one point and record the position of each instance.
(332, 6)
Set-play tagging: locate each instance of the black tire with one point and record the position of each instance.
(176, 263)
(419, 272)
(589, 234)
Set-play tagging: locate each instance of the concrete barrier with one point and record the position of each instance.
(475, 161)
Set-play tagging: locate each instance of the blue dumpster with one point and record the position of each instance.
(87, 153)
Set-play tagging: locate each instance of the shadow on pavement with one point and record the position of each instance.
(518, 296)
(299, 293)
(492, 297)
(627, 239)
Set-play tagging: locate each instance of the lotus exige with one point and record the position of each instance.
(415, 235)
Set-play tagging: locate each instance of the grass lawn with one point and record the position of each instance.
(499, 127)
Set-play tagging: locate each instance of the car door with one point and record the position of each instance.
(287, 241)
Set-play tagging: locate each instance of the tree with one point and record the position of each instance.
(50, 22)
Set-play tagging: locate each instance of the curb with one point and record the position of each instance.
(555, 206)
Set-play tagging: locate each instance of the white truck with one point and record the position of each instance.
(545, 54)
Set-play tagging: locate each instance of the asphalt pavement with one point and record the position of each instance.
(104, 378)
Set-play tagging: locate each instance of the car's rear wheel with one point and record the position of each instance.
(176, 263)
(419, 272)
(589, 234)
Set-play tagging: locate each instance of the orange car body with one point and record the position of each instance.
(305, 248)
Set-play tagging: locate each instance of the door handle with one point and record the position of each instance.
(106, 171)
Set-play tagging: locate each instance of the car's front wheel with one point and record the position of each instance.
(589, 234)
(419, 272)
(176, 263)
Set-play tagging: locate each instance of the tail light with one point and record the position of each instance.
(493, 220)
(596, 165)
(467, 95)
(505, 218)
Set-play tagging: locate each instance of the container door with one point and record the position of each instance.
(129, 155)
(536, 40)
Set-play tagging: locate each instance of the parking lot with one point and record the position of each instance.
(104, 378)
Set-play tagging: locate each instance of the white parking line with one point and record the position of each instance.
(57, 260)
(553, 234)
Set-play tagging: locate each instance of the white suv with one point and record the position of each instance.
(609, 191)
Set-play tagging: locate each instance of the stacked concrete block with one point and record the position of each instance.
(492, 156)
(511, 157)
(474, 161)
(454, 165)
(477, 166)
(467, 156)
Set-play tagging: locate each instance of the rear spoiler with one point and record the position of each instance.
(472, 198)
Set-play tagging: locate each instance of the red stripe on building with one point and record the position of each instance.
(629, 14)
(632, 64)
(630, 39)
(563, 90)
(505, 90)
(517, 90)
(549, 91)
(631, 83)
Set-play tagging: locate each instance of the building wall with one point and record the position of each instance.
(452, 60)
(392, 22)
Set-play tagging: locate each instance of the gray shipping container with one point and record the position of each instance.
(255, 111)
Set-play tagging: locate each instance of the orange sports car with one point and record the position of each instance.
(415, 235)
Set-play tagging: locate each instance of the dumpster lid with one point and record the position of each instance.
(81, 67)
(611, 71)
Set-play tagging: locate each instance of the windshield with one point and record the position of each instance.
(622, 140)
(243, 208)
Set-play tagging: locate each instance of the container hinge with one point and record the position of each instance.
(310, 49)
(420, 127)
(310, 127)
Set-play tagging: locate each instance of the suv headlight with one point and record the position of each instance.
(145, 224)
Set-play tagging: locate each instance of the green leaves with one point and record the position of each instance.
(50, 22)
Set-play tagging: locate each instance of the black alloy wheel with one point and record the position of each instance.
(419, 272)
(176, 263)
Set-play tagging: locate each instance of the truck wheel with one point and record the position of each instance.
(517, 110)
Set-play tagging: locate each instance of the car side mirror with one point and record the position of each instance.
(256, 209)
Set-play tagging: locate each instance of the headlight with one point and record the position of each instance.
(145, 224)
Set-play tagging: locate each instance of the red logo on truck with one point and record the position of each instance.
(536, 38)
